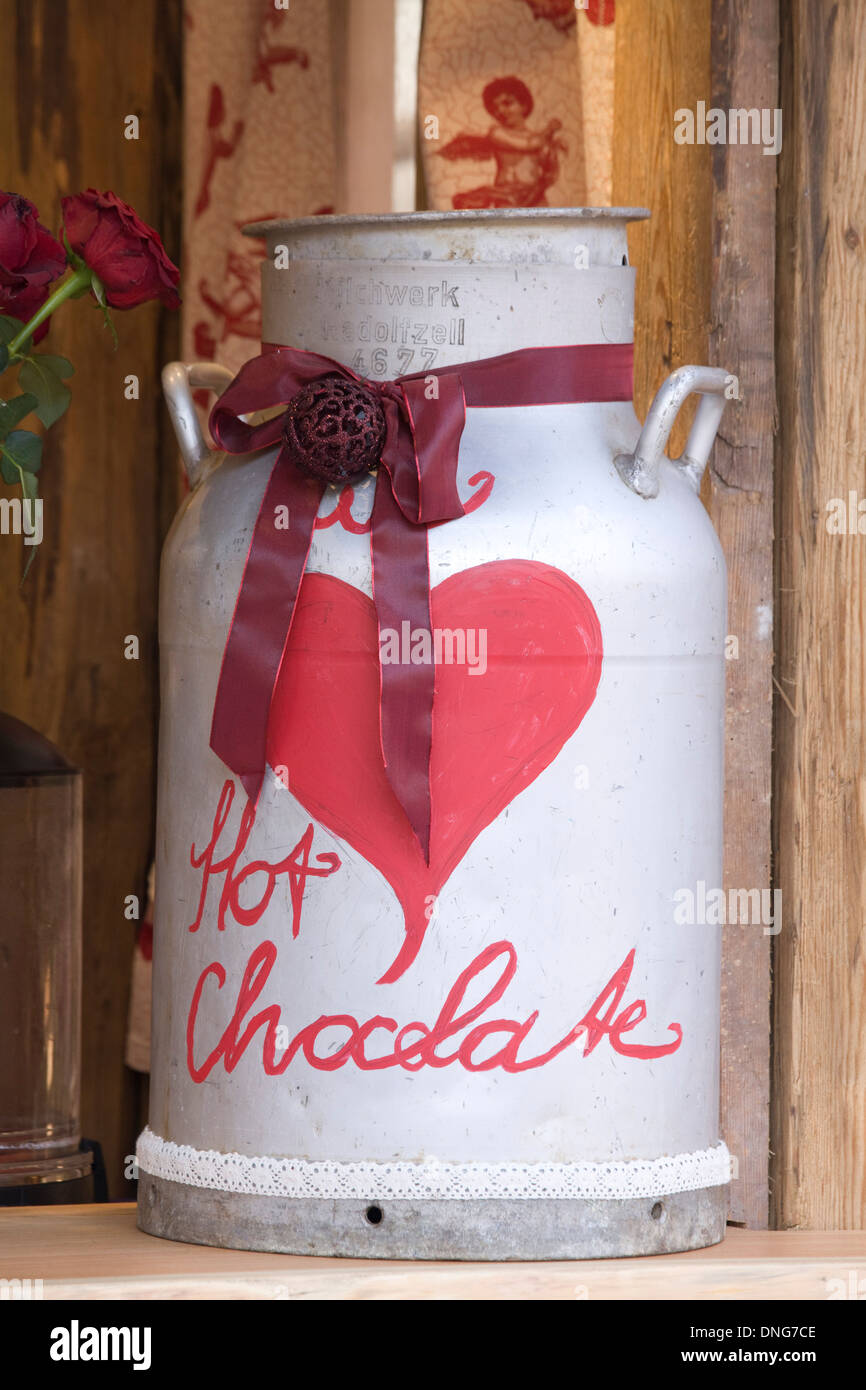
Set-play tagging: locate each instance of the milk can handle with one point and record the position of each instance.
(179, 379)
(640, 470)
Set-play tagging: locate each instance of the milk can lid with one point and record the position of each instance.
(369, 220)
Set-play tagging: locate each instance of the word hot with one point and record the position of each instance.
(296, 866)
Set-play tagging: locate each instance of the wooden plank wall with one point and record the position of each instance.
(704, 294)
(739, 495)
(820, 832)
(662, 64)
(73, 70)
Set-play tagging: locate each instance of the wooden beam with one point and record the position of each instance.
(80, 67)
(663, 64)
(739, 497)
(819, 1110)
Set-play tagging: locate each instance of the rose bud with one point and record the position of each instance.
(30, 259)
(126, 255)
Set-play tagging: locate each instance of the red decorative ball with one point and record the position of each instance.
(335, 429)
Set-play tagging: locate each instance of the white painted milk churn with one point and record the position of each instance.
(442, 663)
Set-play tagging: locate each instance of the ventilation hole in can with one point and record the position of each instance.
(374, 1215)
(658, 1211)
(625, 260)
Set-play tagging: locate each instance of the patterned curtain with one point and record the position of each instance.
(260, 125)
(516, 103)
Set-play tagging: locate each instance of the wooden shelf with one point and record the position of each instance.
(97, 1252)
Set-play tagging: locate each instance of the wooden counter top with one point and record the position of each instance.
(98, 1252)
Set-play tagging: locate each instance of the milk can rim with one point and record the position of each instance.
(493, 215)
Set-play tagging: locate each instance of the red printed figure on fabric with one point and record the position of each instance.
(527, 161)
(562, 14)
(238, 307)
(271, 55)
(218, 146)
(237, 310)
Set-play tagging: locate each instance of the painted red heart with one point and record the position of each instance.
(493, 733)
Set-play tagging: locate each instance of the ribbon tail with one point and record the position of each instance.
(261, 623)
(401, 593)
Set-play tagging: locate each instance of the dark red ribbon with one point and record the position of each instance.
(416, 486)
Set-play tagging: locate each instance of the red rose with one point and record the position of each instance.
(30, 259)
(123, 251)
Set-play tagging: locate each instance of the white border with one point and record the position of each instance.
(296, 1177)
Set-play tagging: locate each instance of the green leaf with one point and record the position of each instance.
(41, 375)
(60, 366)
(9, 328)
(4, 357)
(13, 412)
(14, 473)
(21, 450)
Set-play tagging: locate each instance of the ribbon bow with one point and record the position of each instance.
(416, 487)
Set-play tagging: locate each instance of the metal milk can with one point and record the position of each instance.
(500, 1044)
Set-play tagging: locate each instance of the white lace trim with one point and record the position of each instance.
(298, 1177)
